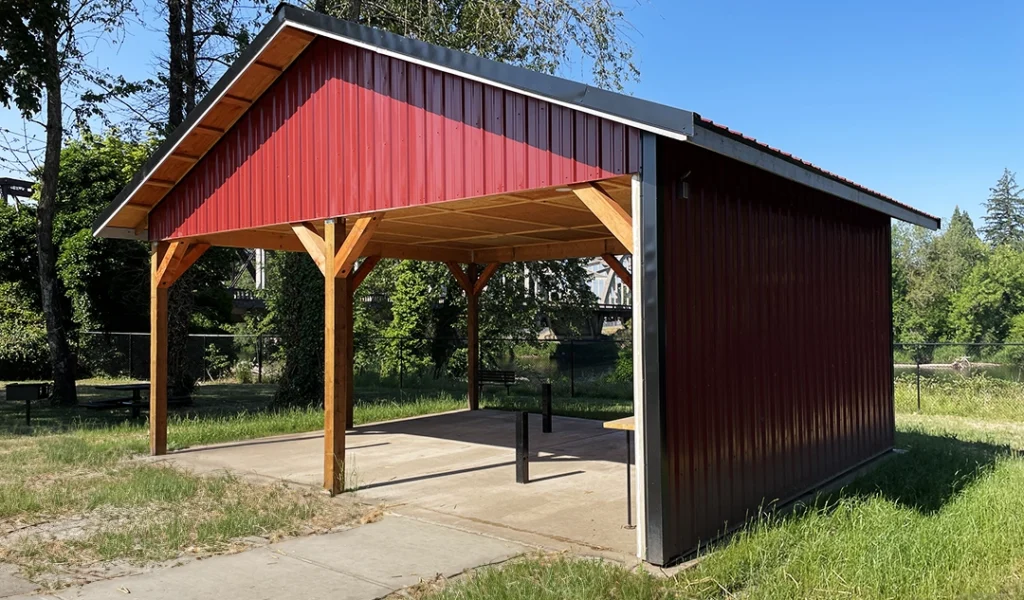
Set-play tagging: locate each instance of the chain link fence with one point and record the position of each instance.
(600, 368)
(981, 381)
(984, 381)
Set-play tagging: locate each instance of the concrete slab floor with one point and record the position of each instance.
(458, 468)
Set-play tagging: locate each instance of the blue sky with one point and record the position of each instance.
(923, 101)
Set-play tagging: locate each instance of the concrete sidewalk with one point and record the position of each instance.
(364, 563)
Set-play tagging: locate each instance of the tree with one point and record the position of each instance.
(992, 294)
(105, 280)
(1004, 216)
(543, 35)
(42, 55)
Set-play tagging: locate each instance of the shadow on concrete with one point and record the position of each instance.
(582, 439)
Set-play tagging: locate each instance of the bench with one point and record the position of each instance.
(505, 378)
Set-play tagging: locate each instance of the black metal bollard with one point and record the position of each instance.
(522, 447)
(28, 412)
(545, 407)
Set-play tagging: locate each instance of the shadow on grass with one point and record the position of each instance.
(932, 471)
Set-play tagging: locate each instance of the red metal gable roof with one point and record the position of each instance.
(796, 159)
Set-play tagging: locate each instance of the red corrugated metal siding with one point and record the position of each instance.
(347, 131)
(777, 367)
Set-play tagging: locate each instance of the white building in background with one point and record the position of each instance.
(606, 285)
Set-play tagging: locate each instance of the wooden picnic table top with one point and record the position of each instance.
(624, 424)
(123, 386)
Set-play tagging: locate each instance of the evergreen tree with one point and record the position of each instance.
(1004, 217)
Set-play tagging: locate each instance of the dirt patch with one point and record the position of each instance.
(59, 550)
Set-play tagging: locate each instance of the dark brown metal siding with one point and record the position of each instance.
(777, 369)
(346, 130)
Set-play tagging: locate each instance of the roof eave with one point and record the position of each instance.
(737, 148)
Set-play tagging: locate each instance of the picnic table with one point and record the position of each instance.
(135, 402)
(627, 424)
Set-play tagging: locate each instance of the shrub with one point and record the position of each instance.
(23, 351)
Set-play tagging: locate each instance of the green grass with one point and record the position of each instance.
(78, 499)
(944, 520)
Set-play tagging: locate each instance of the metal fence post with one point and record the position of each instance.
(259, 358)
(206, 371)
(131, 371)
(401, 366)
(545, 406)
(572, 368)
(918, 361)
(522, 447)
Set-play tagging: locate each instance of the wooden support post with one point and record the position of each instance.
(473, 284)
(337, 369)
(472, 335)
(158, 353)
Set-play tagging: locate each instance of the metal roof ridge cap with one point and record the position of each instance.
(569, 93)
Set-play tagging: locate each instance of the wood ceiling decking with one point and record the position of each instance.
(541, 224)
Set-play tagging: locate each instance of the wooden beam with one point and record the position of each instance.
(191, 255)
(168, 259)
(355, 242)
(252, 238)
(608, 211)
(163, 183)
(157, 353)
(364, 269)
(553, 251)
(209, 128)
(268, 66)
(337, 366)
(410, 252)
(236, 100)
(182, 157)
(314, 245)
(620, 270)
(461, 277)
(481, 282)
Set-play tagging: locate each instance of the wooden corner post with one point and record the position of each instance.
(169, 260)
(337, 367)
(157, 354)
(335, 254)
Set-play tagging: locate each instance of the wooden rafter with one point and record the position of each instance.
(312, 242)
(620, 270)
(605, 208)
(355, 242)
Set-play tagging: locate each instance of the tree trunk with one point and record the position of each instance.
(61, 359)
(191, 70)
(175, 75)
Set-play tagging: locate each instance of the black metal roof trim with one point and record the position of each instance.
(659, 118)
(738, 147)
